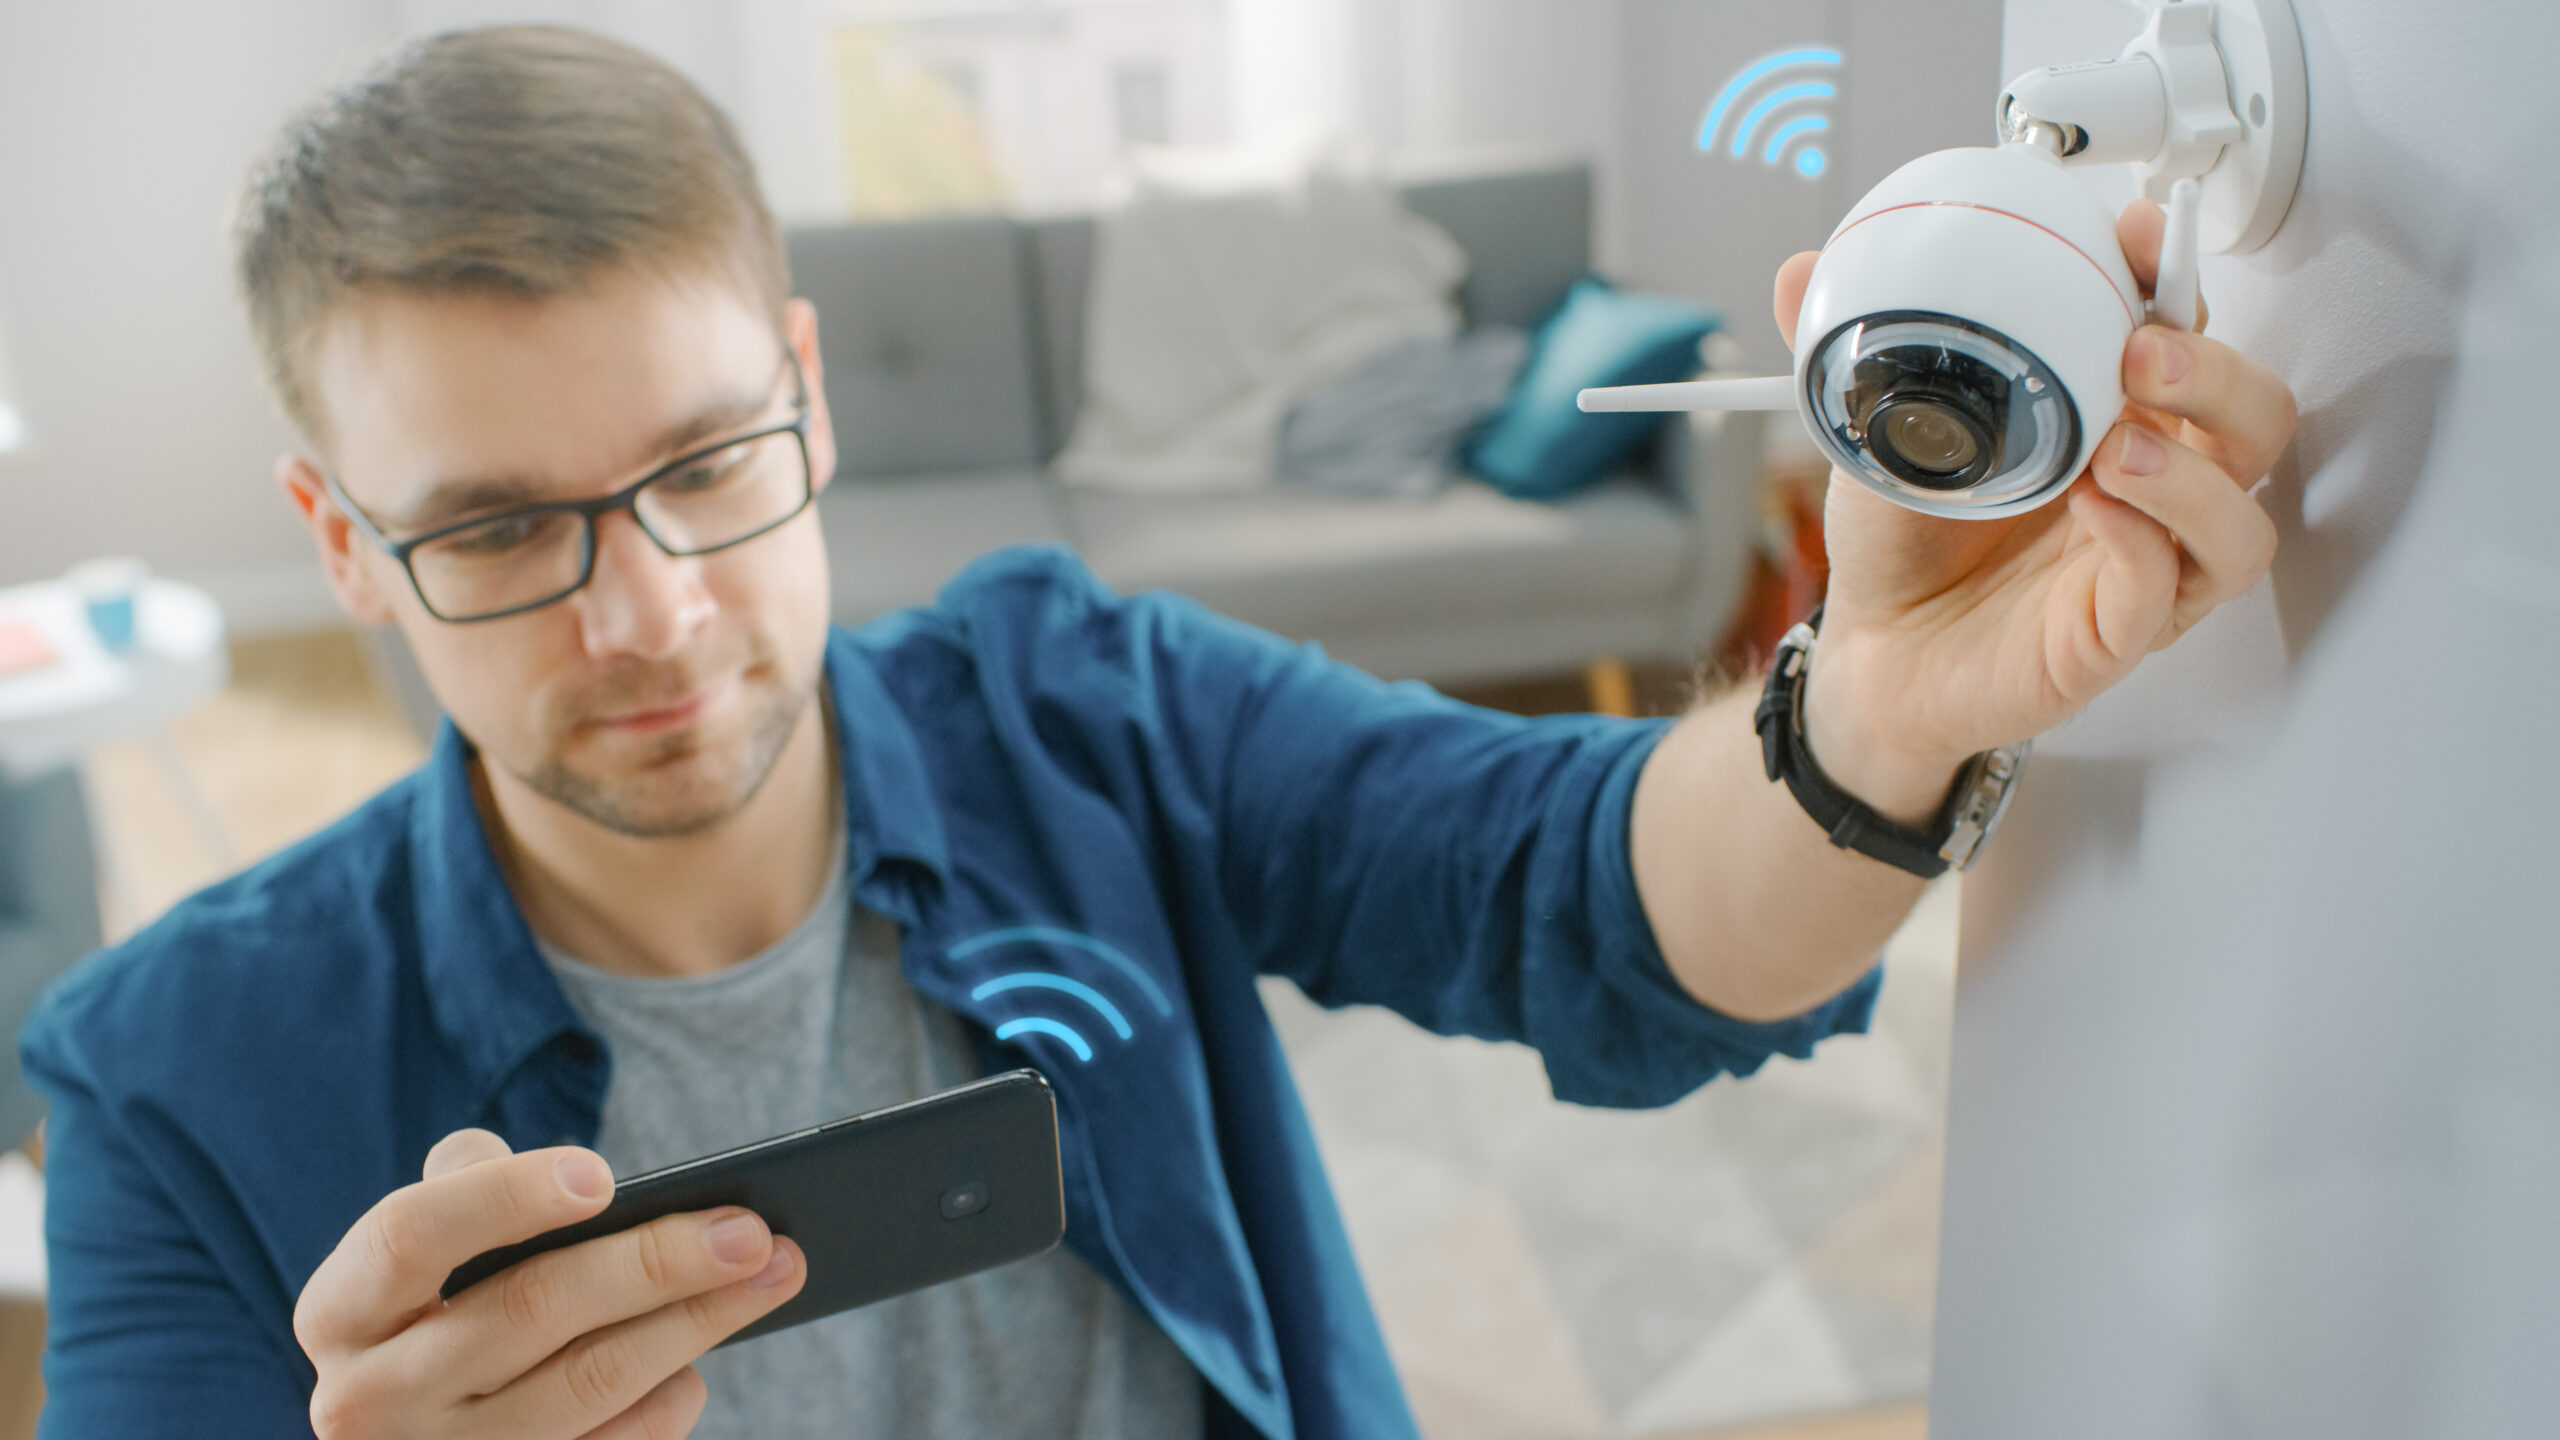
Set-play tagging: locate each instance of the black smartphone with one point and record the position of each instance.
(881, 1203)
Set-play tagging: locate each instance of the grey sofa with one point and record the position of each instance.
(953, 349)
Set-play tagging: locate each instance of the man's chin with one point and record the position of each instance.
(664, 799)
(671, 785)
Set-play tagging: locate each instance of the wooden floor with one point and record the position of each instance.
(301, 735)
(1900, 1422)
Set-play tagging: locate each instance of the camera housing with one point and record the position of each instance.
(1960, 346)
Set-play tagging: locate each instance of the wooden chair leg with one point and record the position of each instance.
(1611, 686)
(22, 1343)
(21, 1360)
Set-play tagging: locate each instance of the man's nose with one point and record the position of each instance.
(640, 600)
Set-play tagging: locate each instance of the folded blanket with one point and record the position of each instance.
(1392, 426)
(1215, 309)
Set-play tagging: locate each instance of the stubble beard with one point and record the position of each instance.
(628, 806)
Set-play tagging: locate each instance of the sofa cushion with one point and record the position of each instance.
(893, 542)
(1308, 565)
(1527, 234)
(928, 339)
(1541, 445)
(1061, 253)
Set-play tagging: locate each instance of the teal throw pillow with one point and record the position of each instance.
(1538, 446)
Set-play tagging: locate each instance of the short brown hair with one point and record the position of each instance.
(518, 160)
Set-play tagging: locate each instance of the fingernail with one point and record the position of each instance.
(583, 1175)
(733, 1241)
(2169, 359)
(776, 1270)
(2140, 454)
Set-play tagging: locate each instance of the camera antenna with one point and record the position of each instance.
(2173, 291)
(1755, 392)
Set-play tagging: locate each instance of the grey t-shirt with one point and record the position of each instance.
(820, 1026)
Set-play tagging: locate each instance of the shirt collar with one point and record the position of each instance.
(486, 982)
(891, 811)
(492, 996)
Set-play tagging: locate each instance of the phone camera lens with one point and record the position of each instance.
(964, 1200)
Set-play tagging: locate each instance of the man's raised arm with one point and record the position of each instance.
(1942, 638)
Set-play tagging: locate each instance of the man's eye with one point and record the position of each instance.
(502, 536)
(708, 473)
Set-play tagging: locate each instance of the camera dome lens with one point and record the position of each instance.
(1941, 414)
(1931, 414)
(1925, 435)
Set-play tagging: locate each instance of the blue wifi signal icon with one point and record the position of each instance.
(1793, 78)
(1092, 1004)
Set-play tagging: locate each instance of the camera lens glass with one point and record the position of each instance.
(1939, 409)
(1930, 413)
(1926, 435)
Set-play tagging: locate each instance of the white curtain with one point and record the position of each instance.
(13, 425)
(1425, 82)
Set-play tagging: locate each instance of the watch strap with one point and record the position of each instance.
(1850, 822)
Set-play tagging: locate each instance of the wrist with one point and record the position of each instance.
(1861, 749)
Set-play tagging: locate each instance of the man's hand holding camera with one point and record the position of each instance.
(1942, 638)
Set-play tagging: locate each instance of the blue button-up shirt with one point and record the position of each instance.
(1141, 801)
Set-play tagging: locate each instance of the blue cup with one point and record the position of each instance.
(108, 589)
(112, 618)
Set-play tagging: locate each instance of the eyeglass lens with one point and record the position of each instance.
(526, 558)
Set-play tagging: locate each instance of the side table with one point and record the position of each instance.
(90, 695)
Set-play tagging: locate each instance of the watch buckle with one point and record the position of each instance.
(1983, 790)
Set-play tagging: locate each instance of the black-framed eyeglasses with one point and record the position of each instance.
(512, 561)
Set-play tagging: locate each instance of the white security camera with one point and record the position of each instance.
(1961, 343)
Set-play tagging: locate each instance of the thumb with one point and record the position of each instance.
(463, 1149)
(1793, 277)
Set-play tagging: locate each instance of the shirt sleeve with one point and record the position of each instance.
(1383, 844)
(146, 1337)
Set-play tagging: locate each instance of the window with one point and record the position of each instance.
(959, 105)
(960, 77)
(1139, 113)
(914, 143)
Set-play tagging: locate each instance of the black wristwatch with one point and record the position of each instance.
(1972, 810)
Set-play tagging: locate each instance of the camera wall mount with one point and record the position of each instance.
(2211, 90)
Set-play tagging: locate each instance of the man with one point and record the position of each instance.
(688, 868)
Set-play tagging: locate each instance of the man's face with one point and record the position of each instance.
(655, 700)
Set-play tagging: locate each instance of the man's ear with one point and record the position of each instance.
(353, 574)
(800, 332)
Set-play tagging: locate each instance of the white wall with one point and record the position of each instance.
(124, 132)
(1528, 75)
(2256, 1115)
(1916, 76)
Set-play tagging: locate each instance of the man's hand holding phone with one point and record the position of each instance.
(594, 1340)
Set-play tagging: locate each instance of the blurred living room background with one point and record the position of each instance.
(965, 184)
